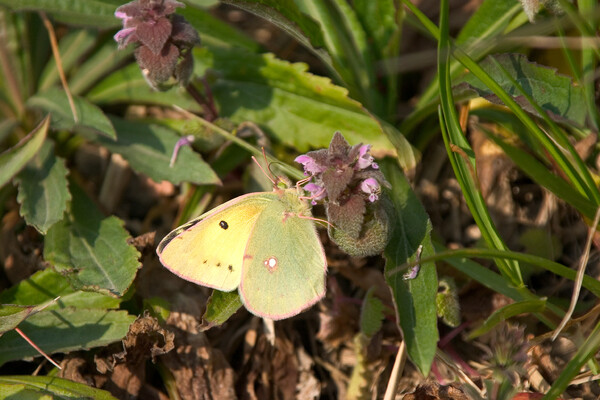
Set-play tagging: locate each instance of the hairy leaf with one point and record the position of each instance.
(90, 117)
(220, 306)
(414, 299)
(43, 189)
(65, 330)
(48, 284)
(90, 250)
(15, 158)
(554, 92)
(148, 149)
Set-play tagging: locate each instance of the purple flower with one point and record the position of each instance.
(317, 192)
(364, 158)
(163, 41)
(372, 188)
(311, 167)
(183, 141)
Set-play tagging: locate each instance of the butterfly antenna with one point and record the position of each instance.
(317, 220)
(262, 169)
(303, 181)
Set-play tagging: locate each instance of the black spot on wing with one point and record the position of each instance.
(223, 224)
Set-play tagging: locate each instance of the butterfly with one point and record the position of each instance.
(263, 244)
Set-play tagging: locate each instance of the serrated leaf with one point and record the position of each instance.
(298, 108)
(553, 92)
(48, 284)
(90, 250)
(65, 330)
(49, 386)
(90, 117)
(43, 189)
(148, 149)
(414, 299)
(371, 314)
(91, 13)
(220, 306)
(15, 158)
(359, 386)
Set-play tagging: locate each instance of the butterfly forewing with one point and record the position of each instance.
(209, 251)
(284, 266)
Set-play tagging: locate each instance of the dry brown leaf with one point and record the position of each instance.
(434, 391)
(200, 371)
(127, 369)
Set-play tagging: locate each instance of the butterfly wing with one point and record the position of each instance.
(210, 250)
(285, 265)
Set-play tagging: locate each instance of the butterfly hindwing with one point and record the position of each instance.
(284, 267)
(210, 250)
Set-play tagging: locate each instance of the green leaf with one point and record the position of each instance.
(71, 47)
(127, 85)
(91, 13)
(286, 15)
(462, 158)
(485, 22)
(478, 38)
(30, 386)
(43, 189)
(90, 117)
(148, 149)
(214, 32)
(371, 314)
(97, 65)
(506, 312)
(65, 330)
(346, 41)
(48, 284)
(90, 250)
(379, 21)
(414, 299)
(220, 306)
(382, 22)
(554, 92)
(298, 108)
(15, 158)
(21, 392)
(11, 315)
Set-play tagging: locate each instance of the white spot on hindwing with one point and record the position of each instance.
(271, 263)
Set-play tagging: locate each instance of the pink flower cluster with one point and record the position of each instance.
(164, 40)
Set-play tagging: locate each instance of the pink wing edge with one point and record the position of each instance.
(292, 313)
